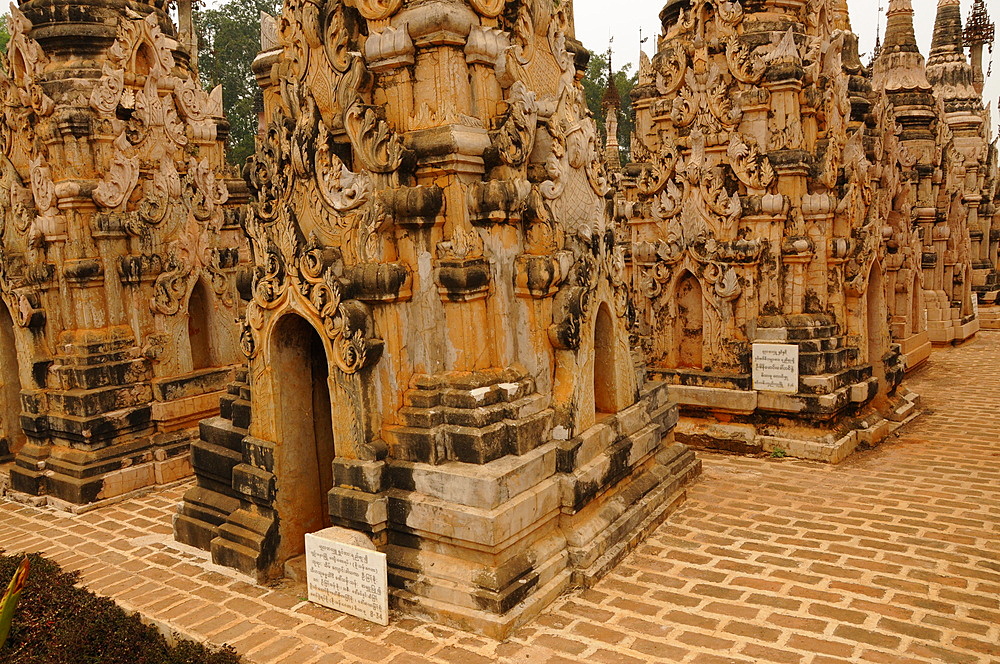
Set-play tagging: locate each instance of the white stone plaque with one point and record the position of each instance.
(776, 368)
(345, 577)
(975, 305)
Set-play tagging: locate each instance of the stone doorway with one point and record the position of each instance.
(11, 435)
(688, 326)
(305, 446)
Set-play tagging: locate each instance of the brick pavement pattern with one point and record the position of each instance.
(891, 557)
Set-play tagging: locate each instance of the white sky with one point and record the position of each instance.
(598, 20)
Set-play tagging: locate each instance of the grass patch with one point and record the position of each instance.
(57, 622)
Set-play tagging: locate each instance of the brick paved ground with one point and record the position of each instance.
(890, 557)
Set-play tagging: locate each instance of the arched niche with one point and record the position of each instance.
(204, 353)
(305, 446)
(606, 379)
(11, 435)
(876, 321)
(689, 322)
(916, 306)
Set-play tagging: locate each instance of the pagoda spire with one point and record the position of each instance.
(899, 65)
(841, 15)
(899, 35)
(948, 70)
(946, 44)
(979, 31)
(611, 104)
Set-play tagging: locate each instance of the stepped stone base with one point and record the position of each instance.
(945, 323)
(788, 438)
(916, 350)
(485, 513)
(830, 415)
(486, 548)
(989, 317)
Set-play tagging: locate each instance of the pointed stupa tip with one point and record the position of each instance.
(899, 66)
(841, 15)
(948, 33)
(612, 98)
(899, 34)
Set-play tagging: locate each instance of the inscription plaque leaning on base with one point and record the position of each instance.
(344, 572)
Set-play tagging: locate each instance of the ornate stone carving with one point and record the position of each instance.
(121, 178)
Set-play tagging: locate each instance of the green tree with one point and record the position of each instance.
(595, 85)
(4, 32)
(228, 41)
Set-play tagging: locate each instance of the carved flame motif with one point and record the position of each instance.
(751, 167)
(743, 64)
(121, 178)
(653, 177)
(378, 148)
(516, 136)
(341, 189)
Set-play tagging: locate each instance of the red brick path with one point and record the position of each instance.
(891, 557)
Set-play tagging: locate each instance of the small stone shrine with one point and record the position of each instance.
(439, 330)
(752, 203)
(117, 251)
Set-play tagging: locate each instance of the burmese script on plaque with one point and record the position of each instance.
(776, 368)
(347, 578)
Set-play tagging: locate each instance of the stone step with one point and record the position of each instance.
(220, 431)
(91, 402)
(106, 374)
(241, 412)
(214, 461)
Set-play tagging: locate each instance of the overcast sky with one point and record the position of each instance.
(599, 20)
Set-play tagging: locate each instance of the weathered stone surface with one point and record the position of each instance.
(118, 250)
(439, 327)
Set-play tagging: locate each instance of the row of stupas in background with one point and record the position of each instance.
(781, 191)
(466, 332)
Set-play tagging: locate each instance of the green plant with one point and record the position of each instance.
(778, 453)
(9, 601)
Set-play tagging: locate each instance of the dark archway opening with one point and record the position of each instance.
(877, 323)
(305, 444)
(203, 355)
(11, 435)
(605, 364)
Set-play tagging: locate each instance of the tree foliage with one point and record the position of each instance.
(4, 32)
(228, 41)
(595, 84)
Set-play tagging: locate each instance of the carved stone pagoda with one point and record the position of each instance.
(907, 116)
(439, 326)
(956, 238)
(979, 32)
(752, 204)
(117, 254)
